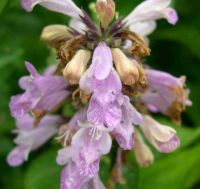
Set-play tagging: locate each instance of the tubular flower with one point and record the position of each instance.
(42, 93)
(142, 18)
(30, 138)
(66, 7)
(100, 65)
(166, 94)
(143, 153)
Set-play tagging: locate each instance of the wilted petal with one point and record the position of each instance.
(66, 7)
(166, 94)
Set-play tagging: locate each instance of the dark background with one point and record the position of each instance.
(175, 49)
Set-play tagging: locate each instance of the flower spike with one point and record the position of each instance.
(100, 72)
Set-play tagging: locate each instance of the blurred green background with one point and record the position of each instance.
(174, 49)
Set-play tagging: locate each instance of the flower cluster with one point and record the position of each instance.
(100, 69)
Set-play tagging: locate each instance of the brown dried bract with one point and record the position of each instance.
(67, 51)
(84, 97)
(38, 116)
(175, 110)
(138, 87)
(178, 105)
(139, 48)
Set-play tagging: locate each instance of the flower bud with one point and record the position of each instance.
(162, 137)
(53, 35)
(76, 67)
(126, 68)
(106, 11)
(143, 154)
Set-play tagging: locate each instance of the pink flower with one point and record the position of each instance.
(30, 138)
(99, 87)
(94, 183)
(71, 177)
(83, 155)
(166, 94)
(142, 18)
(66, 7)
(99, 71)
(42, 93)
(124, 131)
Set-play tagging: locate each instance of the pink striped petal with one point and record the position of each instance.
(66, 7)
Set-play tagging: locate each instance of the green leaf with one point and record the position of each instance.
(125, 7)
(3, 4)
(11, 177)
(10, 58)
(194, 110)
(130, 173)
(193, 178)
(187, 36)
(104, 170)
(43, 172)
(172, 171)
